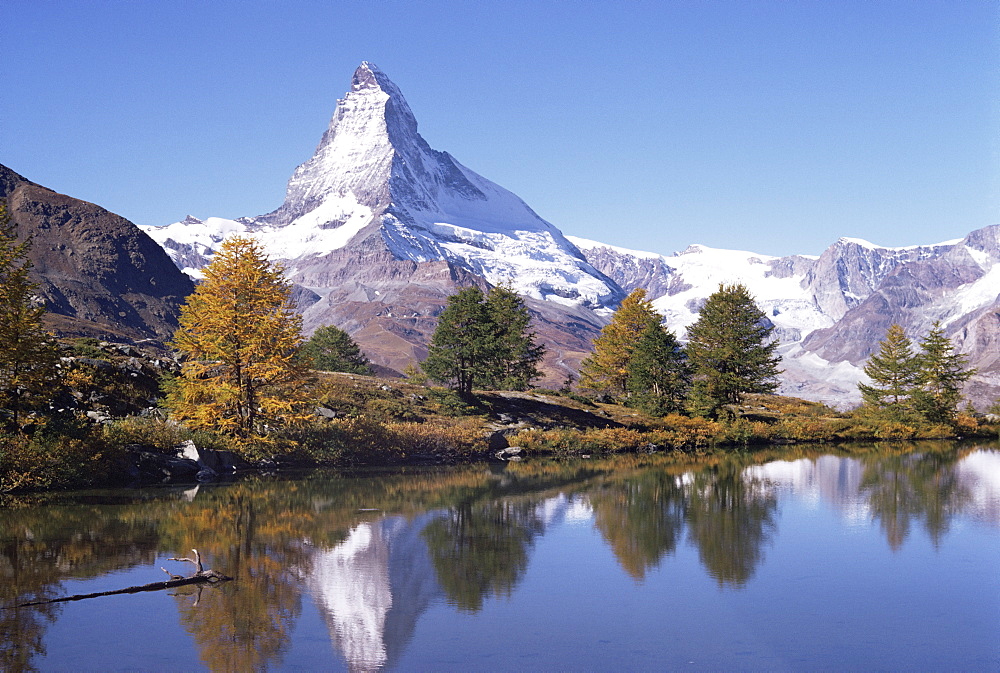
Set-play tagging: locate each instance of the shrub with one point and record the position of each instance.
(462, 438)
(155, 433)
(894, 430)
(58, 455)
(966, 423)
(451, 403)
(570, 441)
(682, 432)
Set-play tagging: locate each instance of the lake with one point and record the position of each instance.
(814, 559)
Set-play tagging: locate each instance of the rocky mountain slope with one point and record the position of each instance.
(98, 274)
(377, 229)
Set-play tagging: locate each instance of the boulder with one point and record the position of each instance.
(510, 454)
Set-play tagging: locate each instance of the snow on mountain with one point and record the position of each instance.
(829, 312)
(698, 271)
(372, 173)
(377, 228)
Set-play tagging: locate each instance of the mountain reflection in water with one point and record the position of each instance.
(455, 539)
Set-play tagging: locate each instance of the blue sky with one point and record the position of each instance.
(768, 126)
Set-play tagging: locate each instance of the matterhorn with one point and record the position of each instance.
(377, 229)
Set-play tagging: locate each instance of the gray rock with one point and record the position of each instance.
(511, 453)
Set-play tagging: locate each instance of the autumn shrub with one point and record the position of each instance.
(154, 433)
(560, 441)
(682, 432)
(934, 431)
(810, 429)
(60, 454)
(893, 430)
(392, 409)
(572, 441)
(460, 438)
(736, 431)
(966, 424)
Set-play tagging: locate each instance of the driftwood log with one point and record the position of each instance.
(201, 576)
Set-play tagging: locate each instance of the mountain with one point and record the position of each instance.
(98, 274)
(377, 229)
(830, 312)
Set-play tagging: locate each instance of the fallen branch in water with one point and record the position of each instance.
(202, 576)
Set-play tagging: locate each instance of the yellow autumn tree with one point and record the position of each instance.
(29, 355)
(239, 336)
(606, 370)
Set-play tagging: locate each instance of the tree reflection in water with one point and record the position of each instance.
(641, 518)
(481, 550)
(901, 488)
(730, 520)
(42, 547)
(462, 533)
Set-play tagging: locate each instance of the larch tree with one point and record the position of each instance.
(239, 336)
(894, 372)
(659, 374)
(606, 370)
(331, 349)
(941, 375)
(29, 355)
(731, 350)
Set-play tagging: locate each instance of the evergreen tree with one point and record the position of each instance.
(894, 372)
(239, 335)
(331, 349)
(484, 341)
(28, 353)
(731, 351)
(658, 372)
(606, 370)
(941, 375)
(515, 355)
(460, 350)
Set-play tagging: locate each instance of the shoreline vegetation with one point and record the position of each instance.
(111, 431)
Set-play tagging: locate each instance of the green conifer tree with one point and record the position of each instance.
(941, 374)
(659, 375)
(515, 355)
(895, 374)
(331, 349)
(731, 351)
(460, 349)
(484, 341)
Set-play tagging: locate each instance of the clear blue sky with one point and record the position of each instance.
(773, 126)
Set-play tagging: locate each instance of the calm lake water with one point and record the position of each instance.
(868, 560)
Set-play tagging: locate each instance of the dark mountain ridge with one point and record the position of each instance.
(98, 274)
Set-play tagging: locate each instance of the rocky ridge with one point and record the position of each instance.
(98, 274)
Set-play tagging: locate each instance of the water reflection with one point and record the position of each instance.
(641, 518)
(374, 553)
(372, 587)
(731, 520)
